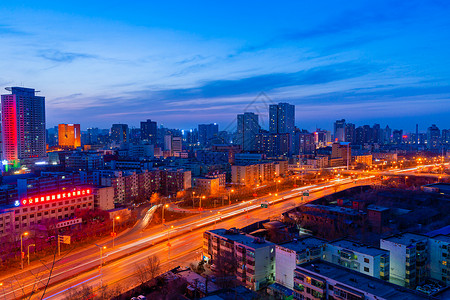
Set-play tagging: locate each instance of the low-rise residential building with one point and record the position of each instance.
(439, 258)
(104, 198)
(364, 159)
(250, 259)
(358, 257)
(252, 174)
(324, 280)
(205, 185)
(378, 217)
(289, 255)
(408, 258)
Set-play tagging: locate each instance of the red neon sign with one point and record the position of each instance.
(53, 197)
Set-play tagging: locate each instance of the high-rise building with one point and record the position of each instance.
(376, 133)
(350, 133)
(69, 135)
(387, 134)
(445, 137)
(433, 137)
(339, 130)
(282, 118)
(247, 129)
(397, 137)
(206, 133)
(119, 133)
(149, 131)
(23, 124)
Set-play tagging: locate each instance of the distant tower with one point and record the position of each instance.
(417, 134)
(339, 130)
(282, 118)
(119, 133)
(69, 135)
(149, 131)
(247, 129)
(23, 124)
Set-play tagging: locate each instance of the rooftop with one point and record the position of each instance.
(444, 230)
(242, 238)
(405, 238)
(360, 281)
(304, 244)
(337, 209)
(377, 208)
(443, 238)
(357, 247)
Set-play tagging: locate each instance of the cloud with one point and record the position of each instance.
(59, 56)
(9, 30)
(266, 82)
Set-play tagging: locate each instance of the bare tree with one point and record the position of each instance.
(149, 270)
(154, 266)
(83, 292)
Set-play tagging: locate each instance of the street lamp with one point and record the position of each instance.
(229, 196)
(31, 245)
(21, 248)
(113, 232)
(278, 181)
(168, 239)
(163, 208)
(200, 204)
(101, 263)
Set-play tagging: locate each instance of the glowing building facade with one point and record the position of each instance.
(23, 124)
(69, 135)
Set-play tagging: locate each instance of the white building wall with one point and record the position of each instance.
(397, 260)
(285, 264)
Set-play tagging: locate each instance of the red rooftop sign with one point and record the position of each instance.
(55, 197)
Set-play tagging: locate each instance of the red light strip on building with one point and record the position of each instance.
(55, 197)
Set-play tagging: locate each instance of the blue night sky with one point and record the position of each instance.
(187, 62)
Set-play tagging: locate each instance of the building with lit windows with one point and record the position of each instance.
(46, 209)
(358, 257)
(69, 135)
(247, 130)
(23, 125)
(252, 174)
(149, 131)
(250, 259)
(323, 280)
(119, 133)
(289, 255)
(408, 258)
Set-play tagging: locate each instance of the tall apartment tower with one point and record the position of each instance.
(206, 133)
(119, 133)
(149, 131)
(69, 135)
(247, 129)
(339, 130)
(23, 124)
(282, 118)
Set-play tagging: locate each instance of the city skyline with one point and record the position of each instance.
(368, 63)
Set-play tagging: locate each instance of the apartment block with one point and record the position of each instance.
(324, 280)
(408, 258)
(358, 257)
(289, 255)
(250, 259)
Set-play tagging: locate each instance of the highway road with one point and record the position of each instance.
(185, 235)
